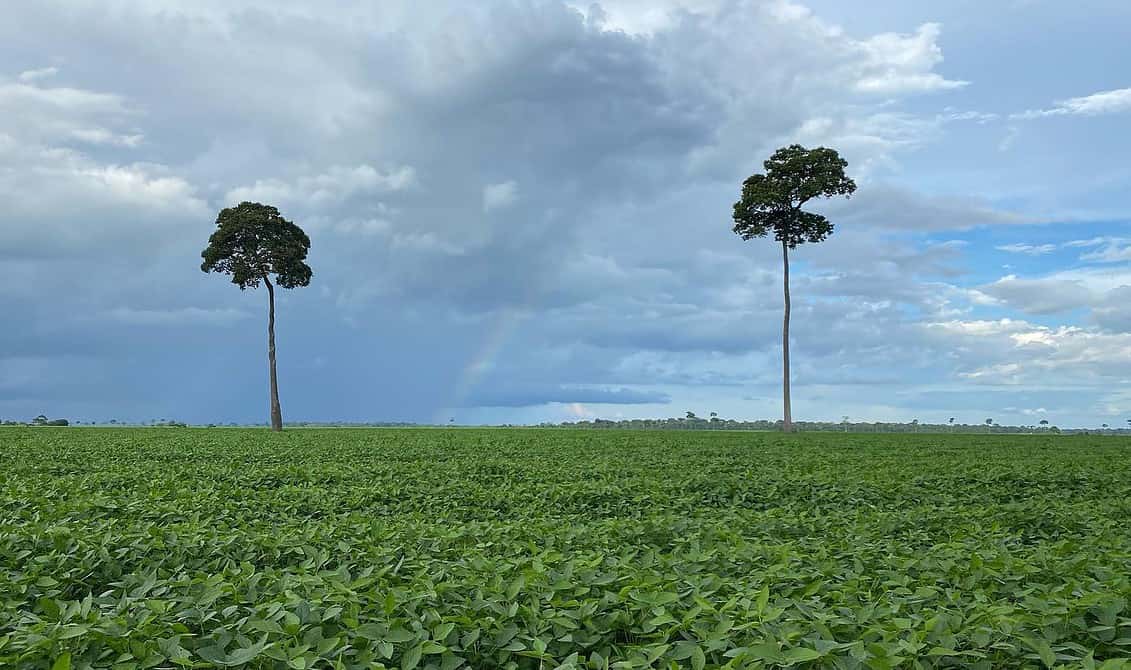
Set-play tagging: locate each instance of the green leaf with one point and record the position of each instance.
(370, 631)
(800, 655)
(412, 657)
(441, 632)
(62, 662)
(1043, 650)
(515, 586)
(244, 655)
(399, 635)
(698, 659)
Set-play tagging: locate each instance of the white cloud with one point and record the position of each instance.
(1028, 249)
(1105, 102)
(900, 64)
(1023, 353)
(125, 206)
(334, 186)
(363, 227)
(40, 73)
(36, 114)
(60, 98)
(498, 196)
(104, 136)
(1010, 138)
(1093, 241)
(1114, 251)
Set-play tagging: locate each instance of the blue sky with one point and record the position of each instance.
(520, 211)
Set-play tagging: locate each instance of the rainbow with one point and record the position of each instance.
(503, 325)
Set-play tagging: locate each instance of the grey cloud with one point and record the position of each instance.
(1040, 296)
(391, 132)
(508, 396)
(892, 207)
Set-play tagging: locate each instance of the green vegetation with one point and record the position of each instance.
(434, 548)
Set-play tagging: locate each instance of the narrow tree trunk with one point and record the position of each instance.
(787, 417)
(276, 411)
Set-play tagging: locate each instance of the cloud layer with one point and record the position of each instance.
(521, 211)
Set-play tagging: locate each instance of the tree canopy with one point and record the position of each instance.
(253, 241)
(771, 202)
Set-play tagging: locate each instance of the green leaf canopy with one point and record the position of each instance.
(772, 201)
(253, 241)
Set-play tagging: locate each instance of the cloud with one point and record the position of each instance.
(1114, 251)
(1116, 101)
(905, 63)
(33, 115)
(542, 395)
(497, 196)
(1092, 241)
(122, 206)
(1027, 249)
(1039, 296)
(1031, 354)
(589, 191)
(175, 317)
(888, 206)
(335, 185)
(40, 73)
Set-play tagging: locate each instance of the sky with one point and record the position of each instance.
(520, 211)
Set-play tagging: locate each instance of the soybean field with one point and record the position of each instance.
(541, 549)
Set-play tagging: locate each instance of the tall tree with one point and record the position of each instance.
(252, 242)
(771, 203)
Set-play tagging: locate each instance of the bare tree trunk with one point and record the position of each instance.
(787, 417)
(276, 411)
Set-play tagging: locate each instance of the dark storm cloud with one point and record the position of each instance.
(530, 396)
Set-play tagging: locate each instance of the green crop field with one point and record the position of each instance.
(341, 548)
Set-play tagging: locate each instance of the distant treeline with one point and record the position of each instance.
(716, 423)
(691, 422)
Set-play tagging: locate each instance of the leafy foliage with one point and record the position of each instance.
(253, 241)
(771, 202)
(442, 549)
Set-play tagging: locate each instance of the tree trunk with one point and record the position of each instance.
(276, 411)
(787, 417)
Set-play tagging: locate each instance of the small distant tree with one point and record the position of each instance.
(252, 242)
(771, 203)
(1043, 422)
(40, 420)
(691, 416)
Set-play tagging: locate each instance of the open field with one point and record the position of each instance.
(341, 548)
